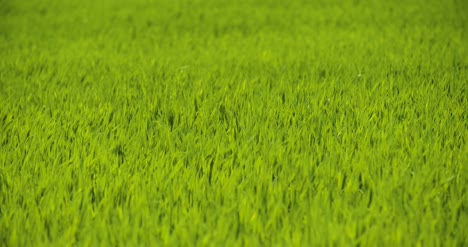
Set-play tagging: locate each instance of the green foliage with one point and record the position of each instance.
(213, 123)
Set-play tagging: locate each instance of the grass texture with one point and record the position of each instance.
(233, 123)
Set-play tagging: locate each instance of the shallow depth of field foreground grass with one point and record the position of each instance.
(229, 123)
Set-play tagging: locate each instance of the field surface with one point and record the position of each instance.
(233, 123)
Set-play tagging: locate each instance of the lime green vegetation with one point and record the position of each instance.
(229, 123)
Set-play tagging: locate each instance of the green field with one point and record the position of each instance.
(233, 123)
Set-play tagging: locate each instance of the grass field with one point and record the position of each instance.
(233, 123)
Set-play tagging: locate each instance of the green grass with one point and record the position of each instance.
(233, 123)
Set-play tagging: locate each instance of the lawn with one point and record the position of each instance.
(233, 123)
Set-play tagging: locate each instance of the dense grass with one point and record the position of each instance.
(275, 123)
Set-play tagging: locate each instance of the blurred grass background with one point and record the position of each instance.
(233, 123)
